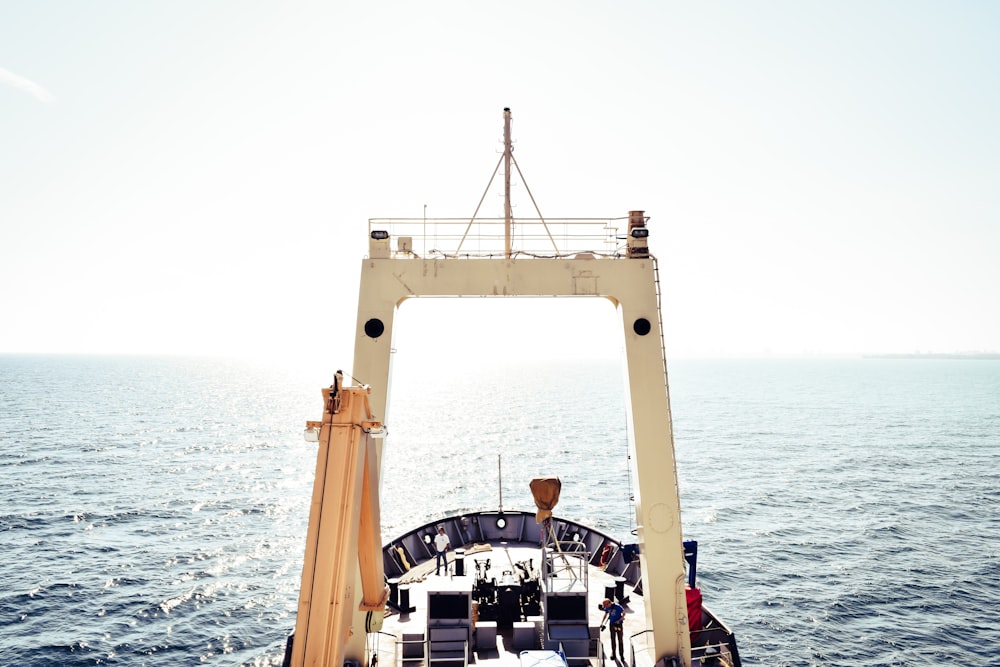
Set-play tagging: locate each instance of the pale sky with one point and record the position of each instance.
(196, 177)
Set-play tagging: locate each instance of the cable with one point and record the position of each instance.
(630, 509)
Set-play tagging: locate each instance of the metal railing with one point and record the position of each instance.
(432, 238)
(594, 657)
(383, 647)
(462, 660)
(716, 650)
(715, 646)
(400, 657)
(564, 563)
(637, 644)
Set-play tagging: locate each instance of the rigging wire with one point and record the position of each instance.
(630, 503)
(353, 379)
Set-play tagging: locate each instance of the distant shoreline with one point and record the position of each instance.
(936, 355)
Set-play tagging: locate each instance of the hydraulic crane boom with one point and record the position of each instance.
(344, 537)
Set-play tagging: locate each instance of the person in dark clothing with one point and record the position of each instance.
(614, 615)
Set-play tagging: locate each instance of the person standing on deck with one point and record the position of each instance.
(614, 614)
(441, 545)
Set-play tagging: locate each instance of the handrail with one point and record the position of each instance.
(728, 653)
(535, 237)
(632, 648)
(464, 659)
(378, 650)
(574, 563)
(399, 658)
(589, 658)
(726, 648)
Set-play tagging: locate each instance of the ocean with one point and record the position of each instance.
(153, 509)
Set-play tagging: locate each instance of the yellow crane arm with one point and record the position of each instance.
(343, 543)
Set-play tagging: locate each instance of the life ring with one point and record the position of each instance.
(605, 556)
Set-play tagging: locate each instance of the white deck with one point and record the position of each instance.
(505, 647)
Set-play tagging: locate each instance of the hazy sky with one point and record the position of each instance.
(196, 177)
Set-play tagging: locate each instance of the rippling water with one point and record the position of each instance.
(153, 509)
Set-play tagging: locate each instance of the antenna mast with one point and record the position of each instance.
(500, 482)
(506, 160)
(508, 150)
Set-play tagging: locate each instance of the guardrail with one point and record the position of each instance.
(717, 648)
(432, 238)
(594, 657)
(401, 657)
(563, 567)
(448, 654)
(377, 648)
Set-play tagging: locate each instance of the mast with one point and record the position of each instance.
(508, 150)
(500, 482)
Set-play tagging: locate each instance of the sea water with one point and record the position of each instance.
(153, 510)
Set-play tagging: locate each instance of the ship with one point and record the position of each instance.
(495, 587)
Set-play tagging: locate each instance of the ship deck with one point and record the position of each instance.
(582, 563)
(403, 634)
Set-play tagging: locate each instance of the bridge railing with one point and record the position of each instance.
(486, 237)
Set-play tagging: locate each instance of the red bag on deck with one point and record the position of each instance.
(694, 608)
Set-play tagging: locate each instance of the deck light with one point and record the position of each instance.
(639, 232)
(501, 522)
(380, 234)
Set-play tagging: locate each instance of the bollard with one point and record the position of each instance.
(404, 601)
(620, 590)
(394, 592)
(459, 562)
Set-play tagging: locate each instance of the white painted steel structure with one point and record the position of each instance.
(628, 277)
(631, 284)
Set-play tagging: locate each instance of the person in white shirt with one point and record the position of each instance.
(441, 545)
